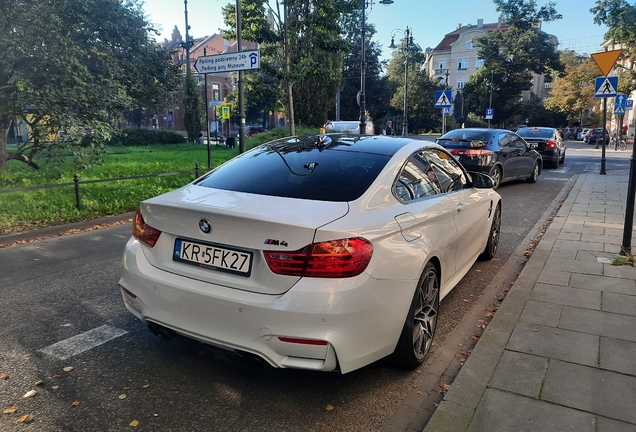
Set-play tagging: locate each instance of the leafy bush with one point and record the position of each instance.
(146, 137)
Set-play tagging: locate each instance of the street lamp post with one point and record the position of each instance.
(492, 78)
(406, 45)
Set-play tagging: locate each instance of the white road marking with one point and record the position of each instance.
(563, 169)
(554, 178)
(83, 342)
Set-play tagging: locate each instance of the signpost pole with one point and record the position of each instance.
(443, 121)
(207, 113)
(604, 137)
(626, 246)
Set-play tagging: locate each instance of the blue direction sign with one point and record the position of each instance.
(605, 87)
(490, 112)
(620, 104)
(443, 98)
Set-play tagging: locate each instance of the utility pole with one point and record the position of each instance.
(241, 95)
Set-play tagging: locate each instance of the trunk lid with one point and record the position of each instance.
(240, 223)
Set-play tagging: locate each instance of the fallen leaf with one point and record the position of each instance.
(134, 423)
(25, 418)
(475, 337)
(460, 344)
(443, 385)
(535, 331)
(419, 392)
(75, 403)
(329, 407)
(4, 376)
(30, 393)
(40, 382)
(57, 375)
(126, 388)
(55, 387)
(9, 410)
(122, 396)
(146, 386)
(68, 368)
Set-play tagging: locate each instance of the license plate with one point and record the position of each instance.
(213, 257)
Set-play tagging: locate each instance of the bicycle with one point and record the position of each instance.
(617, 143)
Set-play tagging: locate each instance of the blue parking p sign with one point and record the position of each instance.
(489, 113)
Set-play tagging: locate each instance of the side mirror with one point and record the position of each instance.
(481, 180)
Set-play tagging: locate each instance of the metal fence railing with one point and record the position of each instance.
(77, 182)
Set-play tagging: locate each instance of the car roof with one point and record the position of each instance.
(377, 144)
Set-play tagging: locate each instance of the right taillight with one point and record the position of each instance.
(331, 259)
(144, 232)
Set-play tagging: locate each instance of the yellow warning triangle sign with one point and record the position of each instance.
(606, 60)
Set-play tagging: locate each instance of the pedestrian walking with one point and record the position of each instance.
(388, 130)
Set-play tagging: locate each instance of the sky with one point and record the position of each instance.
(428, 23)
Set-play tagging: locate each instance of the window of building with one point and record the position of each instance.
(461, 81)
(469, 45)
(480, 63)
(547, 85)
(462, 63)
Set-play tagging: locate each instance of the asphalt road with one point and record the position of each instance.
(59, 288)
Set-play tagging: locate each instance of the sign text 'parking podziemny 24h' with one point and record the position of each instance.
(229, 62)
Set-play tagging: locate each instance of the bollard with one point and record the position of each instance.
(596, 146)
(78, 202)
(196, 171)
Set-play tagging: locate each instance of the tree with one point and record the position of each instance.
(74, 65)
(573, 91)
(516, 53)
(193, 113)
(378, 89)
(422, 114)
(301, 48)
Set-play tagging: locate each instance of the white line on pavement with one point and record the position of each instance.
(83, 342)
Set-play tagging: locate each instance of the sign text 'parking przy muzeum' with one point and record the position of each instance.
(229, 62)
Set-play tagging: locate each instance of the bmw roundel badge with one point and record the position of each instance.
(205, 226)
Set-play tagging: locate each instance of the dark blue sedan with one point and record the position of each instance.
(500, 153)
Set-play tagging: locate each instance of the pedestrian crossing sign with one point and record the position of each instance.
(443, 98)
(605, 87)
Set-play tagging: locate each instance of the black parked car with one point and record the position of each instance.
(548, 143)
(501, 154)
(595, 134)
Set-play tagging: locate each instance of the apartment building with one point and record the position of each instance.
(455, 58)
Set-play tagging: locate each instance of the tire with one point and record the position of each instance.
(493, 236)
(496, 175)
(421, 321)
(534, 174)
(562, 158)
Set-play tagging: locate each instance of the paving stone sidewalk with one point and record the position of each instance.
(560, 353)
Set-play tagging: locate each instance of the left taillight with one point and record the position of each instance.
(331, 259)
(144, 232)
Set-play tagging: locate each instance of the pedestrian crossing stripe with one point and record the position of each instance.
(443, 100)
(606, 88)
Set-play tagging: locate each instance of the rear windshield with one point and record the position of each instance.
(464, 138)
(343, 126)
(535, 133)
(298, 172)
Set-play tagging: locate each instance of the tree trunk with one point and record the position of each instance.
(5, 124)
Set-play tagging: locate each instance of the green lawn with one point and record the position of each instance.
(27, 210)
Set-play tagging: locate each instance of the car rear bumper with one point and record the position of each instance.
(359, 318)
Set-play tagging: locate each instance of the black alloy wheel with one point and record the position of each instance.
(419, 329)
(493, 236)
(534, 174)
(496, 175)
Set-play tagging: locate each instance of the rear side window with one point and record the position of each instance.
(304, 173)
